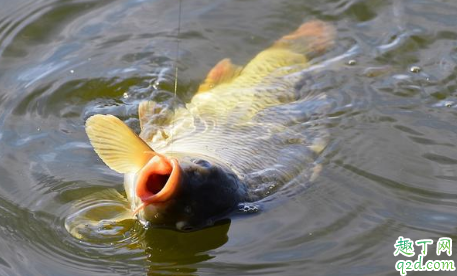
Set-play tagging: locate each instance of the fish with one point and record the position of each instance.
(244, 135)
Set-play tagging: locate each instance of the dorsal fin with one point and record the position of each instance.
(224, 71)
(116, 144)
(310, 39)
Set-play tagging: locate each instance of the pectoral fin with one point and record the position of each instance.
(223, 72)
(116, 144)
(145, 112)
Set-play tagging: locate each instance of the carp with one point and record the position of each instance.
(245, 134)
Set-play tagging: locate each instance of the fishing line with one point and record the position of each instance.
(176, 69)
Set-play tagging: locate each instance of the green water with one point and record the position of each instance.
(390, 168)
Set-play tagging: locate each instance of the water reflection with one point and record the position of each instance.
(175, 252)
(102, 219)
(389, 170)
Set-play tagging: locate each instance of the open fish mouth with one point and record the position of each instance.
(158, 180)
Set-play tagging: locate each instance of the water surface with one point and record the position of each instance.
(389, 169)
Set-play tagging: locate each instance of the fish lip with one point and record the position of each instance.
(158, 165)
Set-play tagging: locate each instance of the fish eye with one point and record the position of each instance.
(202, 163)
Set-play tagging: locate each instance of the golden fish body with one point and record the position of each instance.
(243, 128)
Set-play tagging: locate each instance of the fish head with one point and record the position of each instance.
(187, 193)
(181, 191)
